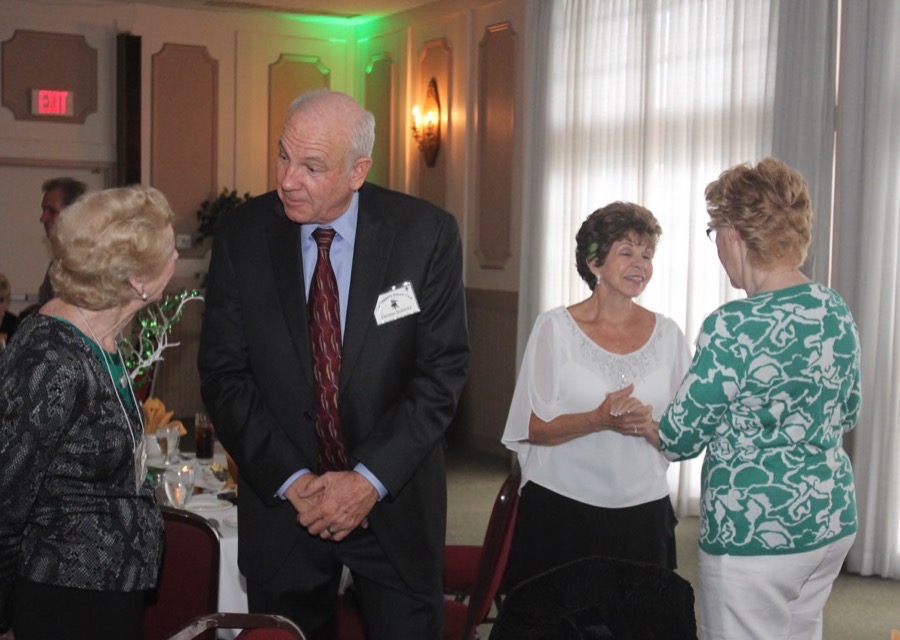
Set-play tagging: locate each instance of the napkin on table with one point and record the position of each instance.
(156, 416)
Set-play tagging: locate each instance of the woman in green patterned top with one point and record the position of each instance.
(773, 386)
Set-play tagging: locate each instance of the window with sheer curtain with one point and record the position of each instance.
(867, 266)
(649, 100)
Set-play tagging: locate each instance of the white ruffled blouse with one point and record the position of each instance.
(564, 371)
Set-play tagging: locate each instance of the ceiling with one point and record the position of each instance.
(331, 8)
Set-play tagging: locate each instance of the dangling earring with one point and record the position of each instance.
(143, 295)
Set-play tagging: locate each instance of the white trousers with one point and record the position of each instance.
(773, 597)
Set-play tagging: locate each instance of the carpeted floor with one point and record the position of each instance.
(860, 608)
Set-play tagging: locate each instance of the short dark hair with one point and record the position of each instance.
(616, 221)
(72, 189)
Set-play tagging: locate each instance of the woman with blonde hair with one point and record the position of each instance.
(80, 532)
(773, 386)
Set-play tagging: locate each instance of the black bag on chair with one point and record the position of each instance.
(599, 598)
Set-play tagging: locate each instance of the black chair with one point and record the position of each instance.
(599, 597)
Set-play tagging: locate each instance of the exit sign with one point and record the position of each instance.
(52, 102)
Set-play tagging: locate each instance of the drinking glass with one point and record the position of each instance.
(179, 485)
(167, 437)
(157, 481)
(204, 438)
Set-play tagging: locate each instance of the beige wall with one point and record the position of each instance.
(232, 55)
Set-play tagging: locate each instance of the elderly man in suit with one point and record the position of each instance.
(333, 353)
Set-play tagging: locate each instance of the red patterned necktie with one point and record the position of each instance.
(325, 338)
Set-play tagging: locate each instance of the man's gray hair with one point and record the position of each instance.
(361, 128)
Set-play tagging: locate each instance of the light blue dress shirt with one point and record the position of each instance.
(341, 254)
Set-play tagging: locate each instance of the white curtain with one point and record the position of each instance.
(645, 101)
(867, 272)
(648, 100)
(804, 113)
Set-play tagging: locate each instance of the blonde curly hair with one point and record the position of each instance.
(105, 238)
(769, 205)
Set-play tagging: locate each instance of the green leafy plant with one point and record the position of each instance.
(210, 210)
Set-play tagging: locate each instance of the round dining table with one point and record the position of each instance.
(211, 501)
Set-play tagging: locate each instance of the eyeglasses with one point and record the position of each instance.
(711, 233)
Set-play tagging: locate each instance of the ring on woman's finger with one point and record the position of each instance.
(329, 532)
(635, 431)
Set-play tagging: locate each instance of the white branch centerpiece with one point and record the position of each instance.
(150, 332)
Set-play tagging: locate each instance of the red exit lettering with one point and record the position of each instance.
(52, 102)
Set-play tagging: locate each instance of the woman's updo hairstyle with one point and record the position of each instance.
(106, 237)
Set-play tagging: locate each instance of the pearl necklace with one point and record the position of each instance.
(139, 451)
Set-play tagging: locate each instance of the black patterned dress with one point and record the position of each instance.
(71, 514)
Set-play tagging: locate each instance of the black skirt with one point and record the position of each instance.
(552, 530)
(43, 611)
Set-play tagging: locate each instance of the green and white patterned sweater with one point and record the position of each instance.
(773, 386)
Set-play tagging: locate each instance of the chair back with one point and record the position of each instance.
(599, 597)
(188, 584)
(254, 626)
(494, 553)
(462, 620)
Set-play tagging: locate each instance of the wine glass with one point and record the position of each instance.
(179, 485)
(167, 437)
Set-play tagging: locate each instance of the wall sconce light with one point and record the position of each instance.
(426, 127)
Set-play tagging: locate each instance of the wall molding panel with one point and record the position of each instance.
(289, 76)
(496, 130)
(40, 60)
(492, 319)
(380, 87)
(184, 130)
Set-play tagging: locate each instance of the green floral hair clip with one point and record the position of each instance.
(592, 251)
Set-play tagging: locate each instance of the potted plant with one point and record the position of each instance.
(210, 210)
(208, 214)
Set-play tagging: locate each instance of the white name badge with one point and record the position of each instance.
(398, 302)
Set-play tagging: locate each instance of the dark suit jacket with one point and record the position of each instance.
(400, 382)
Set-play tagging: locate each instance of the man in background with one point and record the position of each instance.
(9, 322)
(59, 193)
(332, 356)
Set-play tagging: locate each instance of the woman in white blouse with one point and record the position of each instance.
(594, 379)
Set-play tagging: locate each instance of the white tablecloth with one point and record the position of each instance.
(232, 586)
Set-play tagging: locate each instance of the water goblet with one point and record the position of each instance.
(179, 485)
(167, 437)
